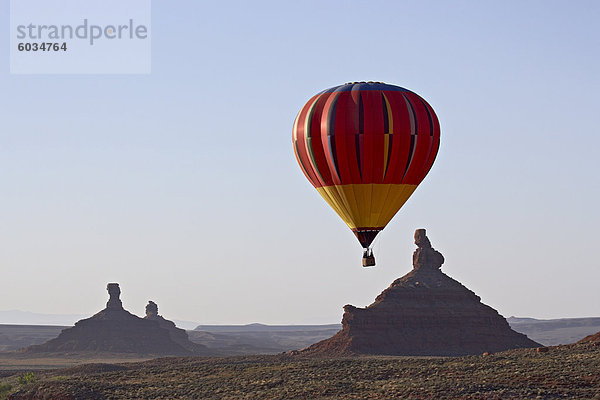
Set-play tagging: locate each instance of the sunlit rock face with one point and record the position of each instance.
(424, 313)
(594, 339)
(115, 330)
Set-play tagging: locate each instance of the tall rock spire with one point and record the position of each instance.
(425, 256)
(114, 292)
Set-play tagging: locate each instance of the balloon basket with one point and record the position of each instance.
(368, 259)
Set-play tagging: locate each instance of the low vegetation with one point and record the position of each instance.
(562, 372)
(17, 382)
(5, 389)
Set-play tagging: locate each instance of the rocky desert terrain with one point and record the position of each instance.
(561, 372)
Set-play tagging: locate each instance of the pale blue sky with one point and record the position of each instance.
(182, 185)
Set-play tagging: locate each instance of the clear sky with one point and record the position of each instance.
(182, 185)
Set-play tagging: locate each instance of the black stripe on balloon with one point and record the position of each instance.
(331, 134)
(300, 159)
(431, 132)
(361, 130)
(309, 145)
(414, 115)
(429, 117)
(413, 136)
(386, 131)
(357, 143)
(361, 115)
(413, 140)
(386, 122)
(389, 155)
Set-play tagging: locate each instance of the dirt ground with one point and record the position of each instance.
(563, 372)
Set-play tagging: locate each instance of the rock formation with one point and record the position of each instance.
(115, 330)
(425, 256)
(114, 292)
(177, 335)
(595, 338)
(151, 310)
(424, 313)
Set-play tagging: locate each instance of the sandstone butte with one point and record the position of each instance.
(115, 330)
(424, 313)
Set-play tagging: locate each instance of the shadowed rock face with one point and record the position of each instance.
(151, 310)
(115, 330)
(177, 335)
(114, 292)
(423, 313)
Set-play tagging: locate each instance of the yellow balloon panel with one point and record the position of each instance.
(366, 205)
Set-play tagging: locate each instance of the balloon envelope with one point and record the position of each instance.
(365, 146)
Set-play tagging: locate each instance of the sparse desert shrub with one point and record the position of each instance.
(26, 378)
(5, 389)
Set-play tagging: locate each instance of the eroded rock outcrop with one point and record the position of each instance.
(423, 313)
(178, 335)
(425, 256)
(115, 330)
(595, 338)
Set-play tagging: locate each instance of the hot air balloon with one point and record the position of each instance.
(365, 147)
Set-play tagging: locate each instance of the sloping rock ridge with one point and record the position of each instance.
(595, 338)
(424, 313)
(115, 330)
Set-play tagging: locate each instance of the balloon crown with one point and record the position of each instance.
(354, 83)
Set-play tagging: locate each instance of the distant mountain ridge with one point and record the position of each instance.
(584, 321)
(551, 332)
(256, 327)
(18, 317)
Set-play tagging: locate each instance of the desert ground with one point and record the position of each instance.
(562, 372)
(254, 362)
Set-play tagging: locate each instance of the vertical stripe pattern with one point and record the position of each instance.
(365, 146)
